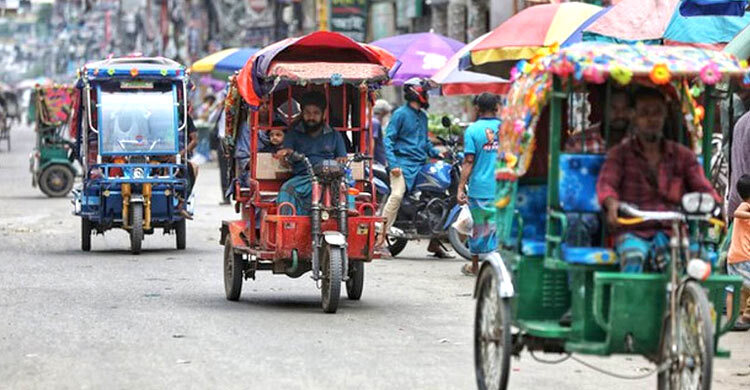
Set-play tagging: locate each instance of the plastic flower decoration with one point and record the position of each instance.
(111, 71)
(133, 72)
(700, 113)
(163, 72)
(594, 75)
(336, 79)
(621, 74)
(660, 74)
(563, 68)
(710, 74)
(511, 159)
(743, 64)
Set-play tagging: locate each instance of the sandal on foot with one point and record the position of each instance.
(466, 269)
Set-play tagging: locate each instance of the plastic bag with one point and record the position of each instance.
(464, 223)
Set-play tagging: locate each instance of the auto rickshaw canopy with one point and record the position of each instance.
(674, 70)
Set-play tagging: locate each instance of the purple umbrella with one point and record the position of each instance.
(421, 55)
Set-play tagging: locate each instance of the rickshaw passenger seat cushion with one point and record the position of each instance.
(578, 176)
(531, 247)
(529, 200)
(588, 255)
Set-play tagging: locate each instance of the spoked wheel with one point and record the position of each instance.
(459, 242)
(396, 245)
(180, 232)
(233, 271)
(85, 235)
(691, 364)
(136, 227)
(56, 181)
(332, 264)
(356, 281)
(492, 334)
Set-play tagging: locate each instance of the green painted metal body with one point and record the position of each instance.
(612, 312)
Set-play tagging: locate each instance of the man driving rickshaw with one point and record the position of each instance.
(316, 140)
(651, 173)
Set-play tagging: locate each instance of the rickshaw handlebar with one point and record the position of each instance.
(638, 216)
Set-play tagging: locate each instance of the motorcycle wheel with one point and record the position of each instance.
(332, 265)
(493, 342)
(695, 343)
(356, 282)
(459, 242)
(136, 228)
(56, 181)
(233, 270)
(396, 245)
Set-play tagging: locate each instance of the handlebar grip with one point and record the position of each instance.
(717, 222)
(629, 221)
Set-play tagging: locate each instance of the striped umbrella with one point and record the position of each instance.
(454, 81)
(223, 63)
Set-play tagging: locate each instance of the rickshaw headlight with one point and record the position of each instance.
(698, 203)
(139, 173)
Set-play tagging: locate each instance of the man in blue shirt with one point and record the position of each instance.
(317, 141)
(407, 148)
(480, 150)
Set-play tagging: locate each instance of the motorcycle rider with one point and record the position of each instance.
(407, 148)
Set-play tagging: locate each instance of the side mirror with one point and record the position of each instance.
(446, 122)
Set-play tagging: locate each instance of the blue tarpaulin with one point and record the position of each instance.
(707, 29)
(713, 7)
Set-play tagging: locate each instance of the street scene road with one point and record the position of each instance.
(109, 319)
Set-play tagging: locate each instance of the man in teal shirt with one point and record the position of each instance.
(480, 150)
(407, 148)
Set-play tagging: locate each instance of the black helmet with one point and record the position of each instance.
(415, 90)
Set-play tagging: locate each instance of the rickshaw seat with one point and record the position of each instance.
(530, 198)
(588, 255)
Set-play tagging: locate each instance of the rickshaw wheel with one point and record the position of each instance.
(233, 270)
(56, 181)
(459, 242)
(396, 245)
(695, 343)
(492, 334)
(85, 235)
(136, 227)
(356, 282)
(180, 230)
(332, 269)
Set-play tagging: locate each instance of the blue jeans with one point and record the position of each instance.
(635, 253)
(298, 192)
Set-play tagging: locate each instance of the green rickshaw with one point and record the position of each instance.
(673, 318)
(52, 160)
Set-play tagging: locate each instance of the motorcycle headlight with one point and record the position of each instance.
(139, 173)
(698, 203)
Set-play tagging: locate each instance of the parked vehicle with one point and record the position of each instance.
(130, 118)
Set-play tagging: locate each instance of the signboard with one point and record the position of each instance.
(349, 17)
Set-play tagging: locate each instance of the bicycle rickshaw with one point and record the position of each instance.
(672, 318)
(52, 161)
(130, 117)
(337, 239)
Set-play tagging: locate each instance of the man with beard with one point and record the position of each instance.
(653, 174)
(318, 142)
(591, 140)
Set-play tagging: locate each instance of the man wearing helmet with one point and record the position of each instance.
(407, 148)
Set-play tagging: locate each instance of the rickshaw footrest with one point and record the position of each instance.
(723, 353)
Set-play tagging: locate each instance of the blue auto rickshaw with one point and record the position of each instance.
(131, 117)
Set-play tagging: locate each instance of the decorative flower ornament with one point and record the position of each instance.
(660, 74)
(336, 79)
(511, 159)
(700, 113)
(710, 74)
(163, 72)
(696, 91)
(743, 64)
(563, 68)
(111, 71)
(621, 74)
(594, 75)
(133, 72)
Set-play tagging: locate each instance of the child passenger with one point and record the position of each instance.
(275, 141)
(738, 257)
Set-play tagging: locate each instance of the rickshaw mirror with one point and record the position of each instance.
(446, 122)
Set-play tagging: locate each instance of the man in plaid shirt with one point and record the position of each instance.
(651, 173)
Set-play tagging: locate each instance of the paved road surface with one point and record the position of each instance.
(108, 319)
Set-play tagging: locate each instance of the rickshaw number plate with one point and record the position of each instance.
(136, 85)
(362, 229)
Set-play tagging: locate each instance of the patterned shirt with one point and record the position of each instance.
(627, 176)
(586, 141)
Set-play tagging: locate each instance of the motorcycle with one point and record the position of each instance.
(430, 208)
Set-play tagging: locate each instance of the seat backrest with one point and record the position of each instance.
(531, 203)
(578, 176)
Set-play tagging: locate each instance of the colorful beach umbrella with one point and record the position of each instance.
(207, 64)
(233, 62)
(454, 81)
(521, 36)
(662, 22)
(421, 54)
